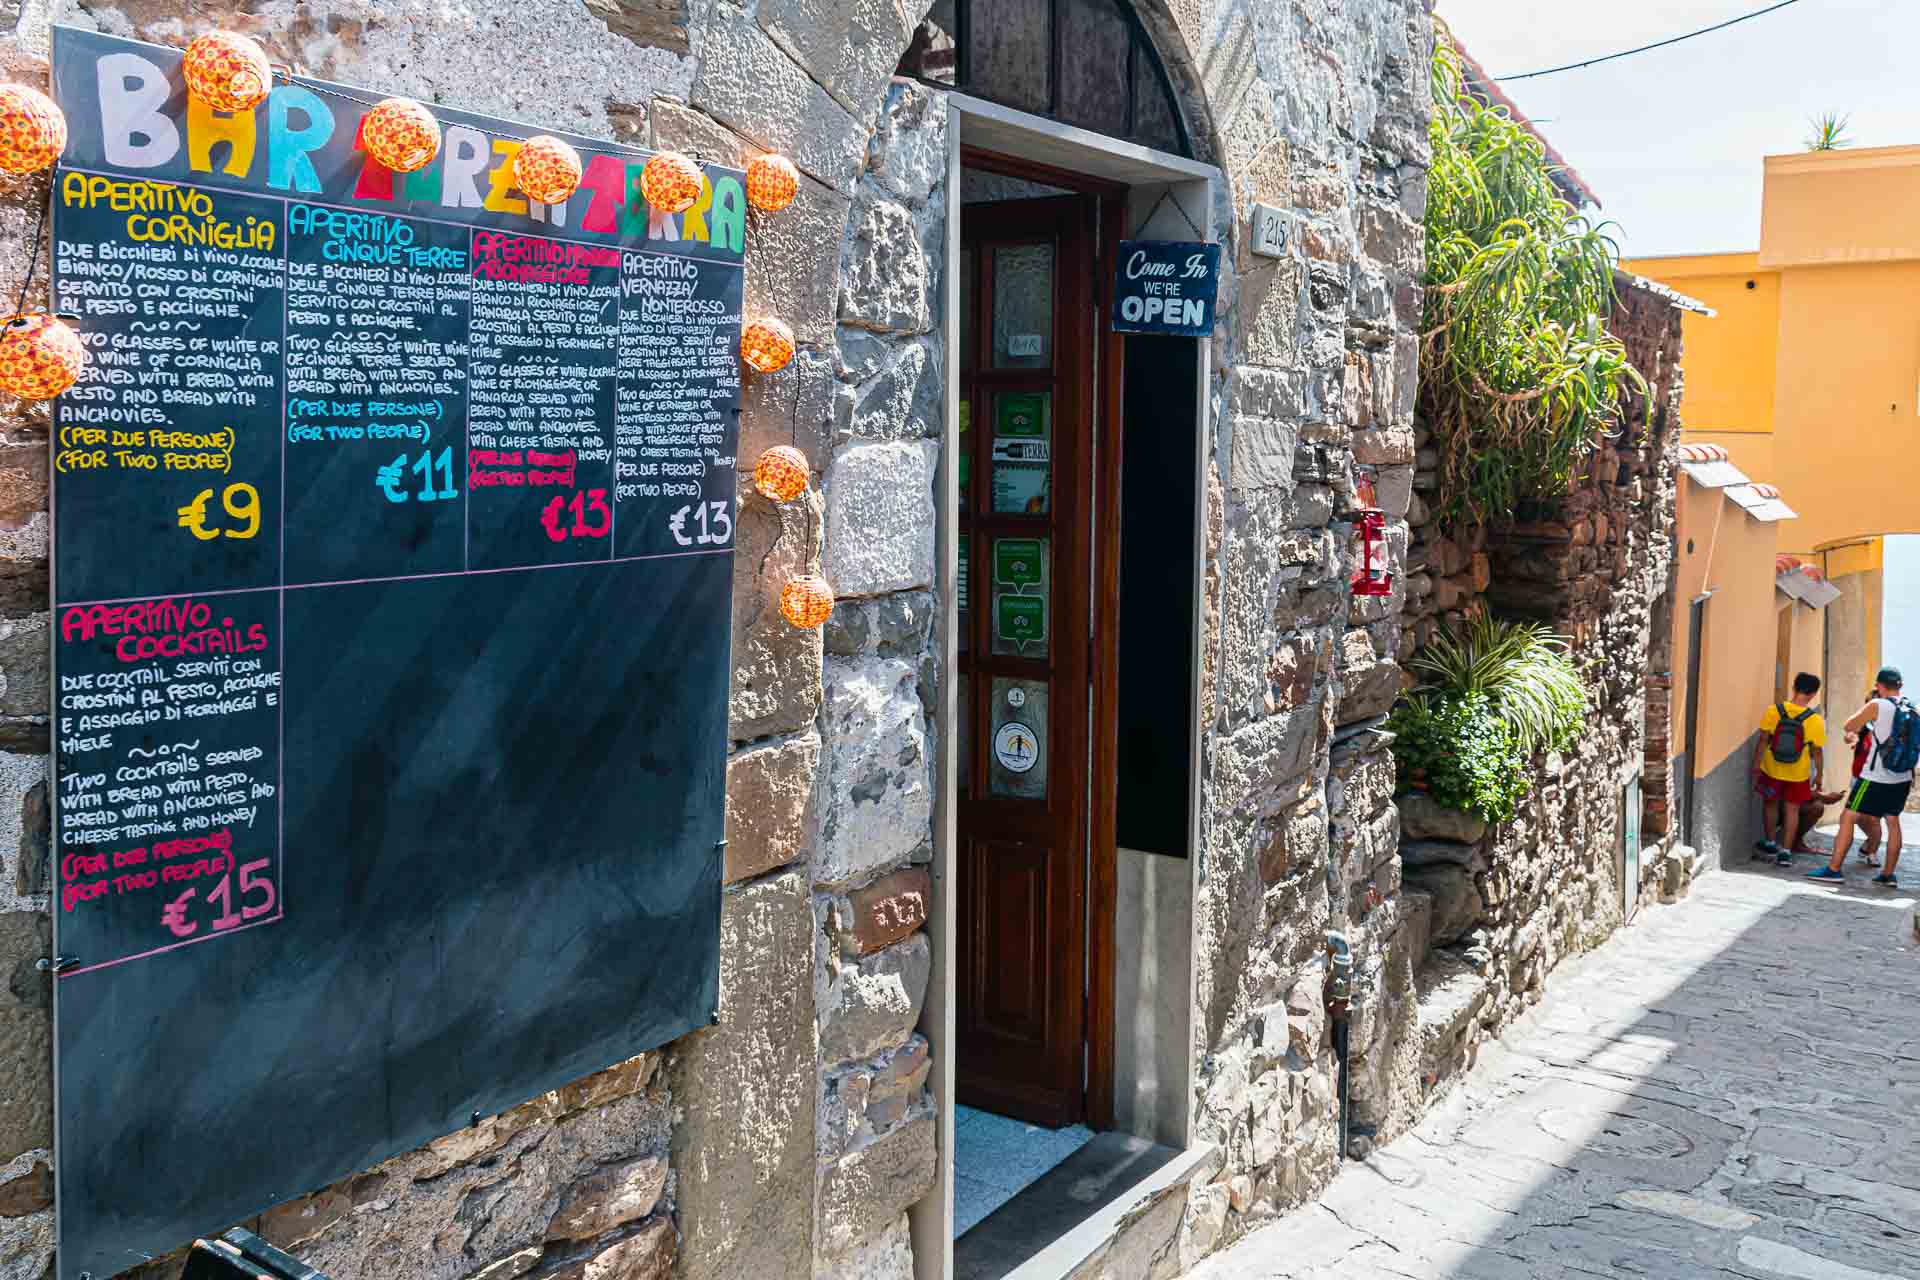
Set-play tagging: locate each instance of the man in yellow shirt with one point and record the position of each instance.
(1790, 753)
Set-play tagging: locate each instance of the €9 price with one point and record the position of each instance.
(241, 503)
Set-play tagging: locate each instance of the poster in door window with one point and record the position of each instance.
(1022, 453)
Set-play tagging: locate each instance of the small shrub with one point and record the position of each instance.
(1497, 694)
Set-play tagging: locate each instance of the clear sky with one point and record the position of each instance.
(1672, 140)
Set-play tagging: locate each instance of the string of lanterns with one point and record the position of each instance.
(41, 356)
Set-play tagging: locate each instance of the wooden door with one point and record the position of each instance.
(1026, 393)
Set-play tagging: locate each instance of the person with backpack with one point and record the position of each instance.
(1791, 750)
(1881, 790)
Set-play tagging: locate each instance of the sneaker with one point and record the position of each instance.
(1766, 849)
(1825, 873)
(1783, 859)
(1888, 881)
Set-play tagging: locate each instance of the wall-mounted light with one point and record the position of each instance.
(772, 182)
(671, 182)
(40, 356)
(1372, 578)
(33, 131)
(547, 169)
(401, 134)
(226, 71)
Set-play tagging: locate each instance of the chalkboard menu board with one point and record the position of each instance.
(392, 564)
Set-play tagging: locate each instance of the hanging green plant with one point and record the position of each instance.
(1519, 377)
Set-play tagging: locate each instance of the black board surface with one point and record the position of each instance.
(392, 576)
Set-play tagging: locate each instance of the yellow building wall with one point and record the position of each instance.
(1829, 207)
(1731, 356)
(1724, 551)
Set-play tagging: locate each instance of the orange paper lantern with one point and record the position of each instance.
(401, 134)
(228, 72)
(772, 182)
(781, 473)
(671, 182)
(40, 356)
(33, 132)
(547, 169)
(806, 601)
(766, 345)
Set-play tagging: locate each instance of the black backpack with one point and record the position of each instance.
(1790, 735)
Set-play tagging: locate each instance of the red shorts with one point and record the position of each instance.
(1771, 788)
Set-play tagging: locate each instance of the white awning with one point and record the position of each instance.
(1759, 505)
(1815, 593)
(1714, 475)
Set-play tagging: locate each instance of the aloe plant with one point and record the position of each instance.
(1828, 132)
(1523, 670)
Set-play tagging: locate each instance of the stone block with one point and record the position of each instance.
(1270, 303)
(646, 1255)
(1250, 766)
(25, 664)
(903, 401)
(29, 1193)
(653, 24)
(1424, 818)
(895, 625)
(907, 156)
(1427, 853)
(878, 805)
(32, 872)
(770, 805)
(870, 1005)
(1391, 238)
(870, 1098)
(787, 274)
(1263, 452)
(609, 1198)
(23, 588)
(1267, 393)
(776, 666)
(23, 483)
(749, 84)
(511, 1267)
(1371, 682)
(890, 908)
(26, 1026)
(743, 1153)
(863, 1193)
(1384, 446)
(1457, 905)
(850, 47)
(880, 518)
(887, 1256)
(792, 407)
(887, 272)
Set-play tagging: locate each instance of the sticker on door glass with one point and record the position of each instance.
(1019, 562)
(1020, 619)
(1024, 344)
(1020, 597)
(1016, 747)
(1022, 453)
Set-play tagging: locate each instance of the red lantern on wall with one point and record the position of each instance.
(228, 72)
(1372, 578)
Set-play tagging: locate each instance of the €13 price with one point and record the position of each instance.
(701, 524)
(241, 502)
(592, 518)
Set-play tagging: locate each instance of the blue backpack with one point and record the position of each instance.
(1901, 751)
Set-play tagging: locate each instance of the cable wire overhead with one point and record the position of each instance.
(1659, 44)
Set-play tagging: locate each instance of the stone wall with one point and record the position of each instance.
(1486, 912)
(803, 1119)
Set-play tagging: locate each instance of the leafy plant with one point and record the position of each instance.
(1519, 376)
(1829, 132)
(1496, 694)
(1462, 752)
(1524, 671)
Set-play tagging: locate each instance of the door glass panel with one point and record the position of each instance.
(966, 454)
(1023, 306)
(1010, 51)
(1017, 759)
(1021, 597)
(963, 730)
(969, 308)
(963, 593)
(1022, 452)
(1093, 75)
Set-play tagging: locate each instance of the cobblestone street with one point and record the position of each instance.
(1729, 1088)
